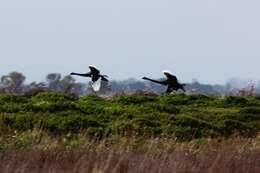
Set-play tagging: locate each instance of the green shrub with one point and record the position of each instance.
(229, 127)
(21, 122)
(256, 97)
(233, 101)
(91, 104)
(182, 99)
(90, 108)
(115, 110)
(96, 132)
(62, 123)
(127, 100)
(51, 102)
(243, 117)
(52, 97)
(146, 120)
(250, 110)
(10, 98)
(187, 133)
(12, 103)
(159, 107)
(187, 128)
(92, 99)
(183, 116)
(52, 124)
(122, 127)
(45, 106)
(12, 107)
(188, 121)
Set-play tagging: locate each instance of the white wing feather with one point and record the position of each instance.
(96, 85)
(167, 71)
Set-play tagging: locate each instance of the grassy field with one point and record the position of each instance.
(234, 156)
(129, 133)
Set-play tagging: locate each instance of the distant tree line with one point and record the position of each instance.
(14, 83)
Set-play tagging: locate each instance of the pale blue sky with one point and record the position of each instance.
(211, 40)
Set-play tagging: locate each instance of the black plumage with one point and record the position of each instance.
(171, 82)
(94, 74)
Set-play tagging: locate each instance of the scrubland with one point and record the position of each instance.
(55, 132)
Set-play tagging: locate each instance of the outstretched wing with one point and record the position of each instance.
(171, 77)
(94, 70)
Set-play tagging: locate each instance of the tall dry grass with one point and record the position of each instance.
(232, 156)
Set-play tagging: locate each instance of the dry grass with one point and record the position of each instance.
(236, 156)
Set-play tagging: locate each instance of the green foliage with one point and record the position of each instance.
(187, 127)
(182, 99)
(187, 133)
(181, 116)
(251, 110)
(191, 122)
(230, 101)
(92, 99)
(52, 97)
(12, 103)
(228, 127)
(10, 98)
(51, 102)
(134, 99)
(160, 107)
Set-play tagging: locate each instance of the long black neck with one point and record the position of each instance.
(80, 74)
(155, 81)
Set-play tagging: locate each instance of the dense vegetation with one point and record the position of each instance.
(57, 132)
(179, 116)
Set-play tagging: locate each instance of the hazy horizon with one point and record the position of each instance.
(211, 41)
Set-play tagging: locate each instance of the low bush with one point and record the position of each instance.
(229, 127)
(159, 107)
(182, 99)
(183, 116)
(10, 98)
(52, 97)
(192, 122)
(187, 133)
(133, 99)
(250, 110)
(229, 101)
